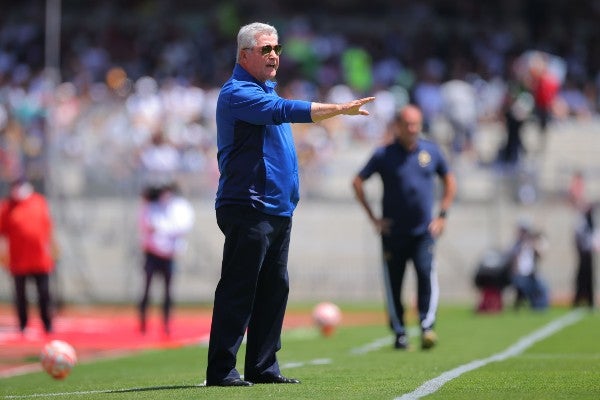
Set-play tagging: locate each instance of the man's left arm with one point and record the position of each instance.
(449, 192)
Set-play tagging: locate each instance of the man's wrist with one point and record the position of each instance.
(443, 213)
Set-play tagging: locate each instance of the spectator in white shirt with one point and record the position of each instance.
(165, 218)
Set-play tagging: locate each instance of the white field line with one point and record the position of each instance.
(372, 346)
(316, 361)
(80, 393)
(382, 342)
(523, 344)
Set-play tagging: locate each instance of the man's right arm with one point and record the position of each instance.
(322, 111)
(381, 225)
(359, 192)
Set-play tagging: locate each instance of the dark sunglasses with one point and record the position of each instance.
(268, 49)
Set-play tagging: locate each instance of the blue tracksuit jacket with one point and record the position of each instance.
(256, 153)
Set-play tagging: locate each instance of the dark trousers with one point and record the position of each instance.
(154, 264)
(397, 251)
(251, 294)
(44, 301)
(584, 283)
(531, 288)
(511, 153)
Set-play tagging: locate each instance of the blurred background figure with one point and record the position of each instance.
(576, 191)
(525, 258)
(159, 160)
(427, 93)
(460, 109)
(543, 75)
(493, 275)
(165, 218)
(586, 243)
(544, 86)
(517, 107)
(26, 225)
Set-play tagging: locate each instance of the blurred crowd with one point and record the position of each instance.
(138, 79)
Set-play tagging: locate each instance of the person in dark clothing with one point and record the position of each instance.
(525, 255)
(517, 107)
(408, 167)
(256, 197)
(584, 243)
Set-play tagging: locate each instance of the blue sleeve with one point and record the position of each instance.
(371, 167)
(442, 165)
(250, 103)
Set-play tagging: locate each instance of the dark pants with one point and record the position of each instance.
(251, 294)
(164, 266)
(44, 301)
(511, 153)
(530, 288)
(584, 284)
(544, 115)
(398, 250)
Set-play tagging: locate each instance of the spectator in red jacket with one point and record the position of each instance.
(545, 87)
(26, 225)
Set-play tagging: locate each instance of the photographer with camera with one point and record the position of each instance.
(525, 257)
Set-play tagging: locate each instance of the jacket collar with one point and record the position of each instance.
(241, 74)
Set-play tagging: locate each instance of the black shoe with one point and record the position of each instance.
(274, 379)
(401, 342)
(230, 382)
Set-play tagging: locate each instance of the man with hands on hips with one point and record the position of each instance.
(408, 168)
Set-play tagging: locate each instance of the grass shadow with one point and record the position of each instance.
(154, 388)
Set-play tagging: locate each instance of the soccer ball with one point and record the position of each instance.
(58, 358)
(327, 317)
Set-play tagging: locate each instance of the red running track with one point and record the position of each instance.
(95, 332)
(103, 332)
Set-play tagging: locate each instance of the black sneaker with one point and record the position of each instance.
(401, 342)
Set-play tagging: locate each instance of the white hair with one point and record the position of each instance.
(246, 37)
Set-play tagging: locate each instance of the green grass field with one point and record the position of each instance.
(514, 355)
